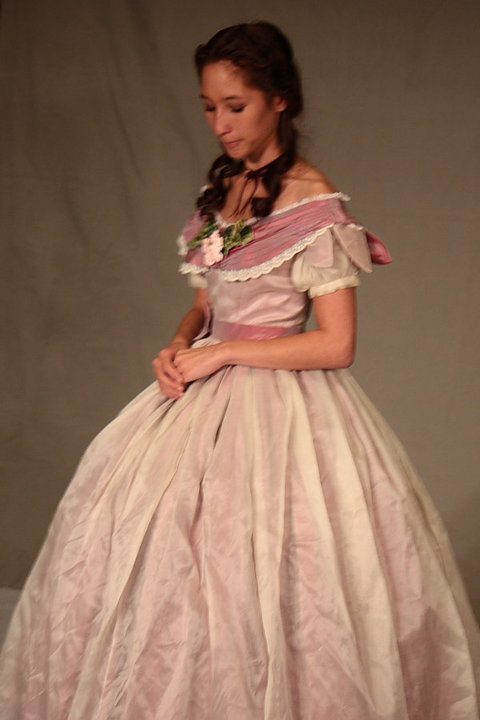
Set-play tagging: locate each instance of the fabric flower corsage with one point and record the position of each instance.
(212, 247)
(216, 242)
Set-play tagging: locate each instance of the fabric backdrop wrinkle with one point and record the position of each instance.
(103, 149)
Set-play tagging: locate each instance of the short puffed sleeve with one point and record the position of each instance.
(197, 280)
(332, 261)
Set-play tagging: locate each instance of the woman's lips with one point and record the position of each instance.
(230, 145)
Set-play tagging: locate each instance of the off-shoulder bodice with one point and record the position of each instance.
(308, 249)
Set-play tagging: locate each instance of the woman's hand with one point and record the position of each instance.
(168, 375)
(177, 365)
(331, 346)
(196, 363)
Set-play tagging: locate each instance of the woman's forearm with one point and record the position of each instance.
(332, 345)
(192, 322)
(188, 328)
(309, 351)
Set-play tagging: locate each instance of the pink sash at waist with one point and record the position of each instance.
(236, 331)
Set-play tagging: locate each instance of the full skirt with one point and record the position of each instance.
(259, 549)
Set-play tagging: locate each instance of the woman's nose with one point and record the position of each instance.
(221, 125)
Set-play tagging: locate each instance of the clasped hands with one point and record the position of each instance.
(177, 365)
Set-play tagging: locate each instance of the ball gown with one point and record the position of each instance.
(261, 547)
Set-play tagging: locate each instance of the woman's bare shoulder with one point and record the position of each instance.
(303, 181)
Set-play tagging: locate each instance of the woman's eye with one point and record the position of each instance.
(208, 109)
(238, 109)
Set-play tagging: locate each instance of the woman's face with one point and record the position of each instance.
(243, 118)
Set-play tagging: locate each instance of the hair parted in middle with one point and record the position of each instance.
(263, 53)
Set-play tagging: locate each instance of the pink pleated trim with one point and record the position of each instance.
(289, 229)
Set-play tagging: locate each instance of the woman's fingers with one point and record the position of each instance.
(174, 368)
(168, 376)
(166, 358)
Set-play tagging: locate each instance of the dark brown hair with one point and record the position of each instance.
(265, 55)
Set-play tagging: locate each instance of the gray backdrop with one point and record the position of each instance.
(103, 148)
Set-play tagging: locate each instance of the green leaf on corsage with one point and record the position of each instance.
(236, 235)
(207, 230)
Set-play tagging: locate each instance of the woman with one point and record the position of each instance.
(251, 542)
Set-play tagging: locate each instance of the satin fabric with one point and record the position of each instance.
(283, 234)
(223, 330)
(259, 549)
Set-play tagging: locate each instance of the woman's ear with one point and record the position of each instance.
(279, 104)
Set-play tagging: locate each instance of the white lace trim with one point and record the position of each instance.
(257, 271)
(299, 203)
(182, 245)
(333, 285)
(320, 196)
(186, 268)
(224, 223)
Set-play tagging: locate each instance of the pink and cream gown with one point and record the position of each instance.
(259, 549)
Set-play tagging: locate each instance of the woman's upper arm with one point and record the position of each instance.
(336, 315)
(201, 298)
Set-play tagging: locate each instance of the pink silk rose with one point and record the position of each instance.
(212, 248)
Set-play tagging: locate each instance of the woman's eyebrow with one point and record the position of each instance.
(229, 97)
